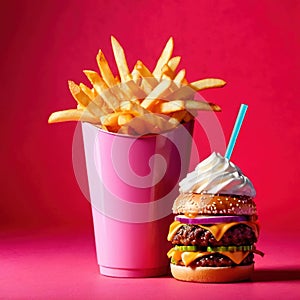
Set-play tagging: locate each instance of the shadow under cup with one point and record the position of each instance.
(133, 182)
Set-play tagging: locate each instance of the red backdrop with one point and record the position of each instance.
(253, 45)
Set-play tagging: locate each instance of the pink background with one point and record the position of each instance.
(253, 45)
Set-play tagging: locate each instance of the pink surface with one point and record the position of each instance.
(43, 265)
(253, 45)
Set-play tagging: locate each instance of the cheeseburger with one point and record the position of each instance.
(215, 227)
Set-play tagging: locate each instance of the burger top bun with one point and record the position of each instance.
(216, 275)
(208, 204)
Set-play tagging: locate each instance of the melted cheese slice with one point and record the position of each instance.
(217, 230)
(188, 257)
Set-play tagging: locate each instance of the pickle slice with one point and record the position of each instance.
(189, 248)
(229, 248)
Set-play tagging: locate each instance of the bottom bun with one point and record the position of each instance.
(217, 274)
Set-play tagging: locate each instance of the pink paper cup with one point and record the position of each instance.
(133, 182)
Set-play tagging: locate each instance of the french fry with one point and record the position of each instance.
(91, 93)
(105, 70)
(81, 98)
(124, 119)
(207, 84)
(167, 107)
(102, 89)
(174, 62)
(178, 80)
(177, 105)
(201, 105)
(120, 60)
(167, 72)
(110, 119)
(148, 81)
(157, 93)
(136, 77)
(96, 79)
(84, 102)
(143, 70)
(164, 58)
(72, 115)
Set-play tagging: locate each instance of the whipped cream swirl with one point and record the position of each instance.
(217, 175)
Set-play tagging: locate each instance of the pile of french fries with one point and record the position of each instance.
(137, 102)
